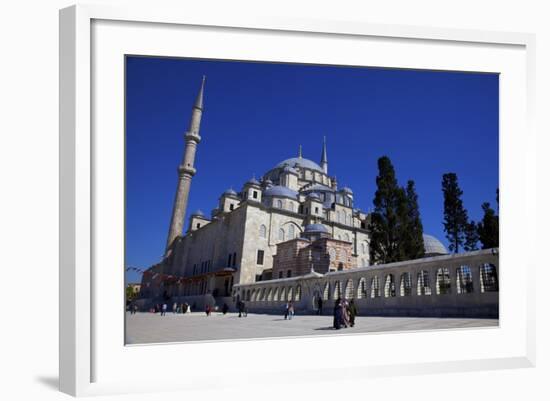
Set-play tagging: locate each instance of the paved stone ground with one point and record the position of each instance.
(152, 328)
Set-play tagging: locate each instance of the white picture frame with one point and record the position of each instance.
(91, 361)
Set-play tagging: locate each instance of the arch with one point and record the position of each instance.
(337, 290)
(270, 294)
(348, 291)
(248, 295)
(488, 277)
(423, 283)
(290, 294)
(253, 296)
(362, 288)
(464, 280)
(262, 295)
(375, 287)
(346, 237)
(326, 292)
(263, 231)
(282, 295)
(298, 293)
(276, 294)
(442, 281)
(405, 285)
(281, 234)
(389, 286)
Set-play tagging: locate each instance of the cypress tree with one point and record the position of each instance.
(412, 236)
(488, 227)
(455, 217)
(385, 222)
(471, 237)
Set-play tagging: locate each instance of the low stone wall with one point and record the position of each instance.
(460, 285)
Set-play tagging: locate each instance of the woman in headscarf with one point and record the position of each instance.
(337, 314)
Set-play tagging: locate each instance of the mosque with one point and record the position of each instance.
(293, 221)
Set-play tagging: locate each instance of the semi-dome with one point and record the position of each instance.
(432, 246)
(347, 190)
(313, 195)
(197, 213)
(300, 162)
(278, 190)
(318, 188)
(288, 169)
(315, 228)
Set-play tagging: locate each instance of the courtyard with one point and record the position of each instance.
(143, 328)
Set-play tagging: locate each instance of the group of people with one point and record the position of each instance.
(344, 313)
(176, 308)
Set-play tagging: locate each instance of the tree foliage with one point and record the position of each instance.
(455, 216)
(488, 227)
(471, 237)
(412, 236)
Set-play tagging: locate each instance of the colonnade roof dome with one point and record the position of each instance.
(432, 246)
(315, 228)
(300, 162)
(278, 190)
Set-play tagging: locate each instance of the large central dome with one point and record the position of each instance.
(300, 162)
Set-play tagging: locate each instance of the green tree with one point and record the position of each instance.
(488, 229)
(455, 216)
(412, 235)
(471, 237)
(386, 222)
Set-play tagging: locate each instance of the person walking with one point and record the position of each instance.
(337, 312)
(207, 310)
(164, 308)
(287, 306)
(240, 308)
(352, 312)
(320, 306)
(290, 310)
(225, 308)
(175, 307)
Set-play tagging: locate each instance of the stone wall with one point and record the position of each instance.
(444, 286)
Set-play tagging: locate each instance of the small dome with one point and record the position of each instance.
(315, 228)
(230, 192)
(278, 190)
(253, 181)
(300, 162)
(432, 246)
(197, 213)
(268, 182)
(347, 190)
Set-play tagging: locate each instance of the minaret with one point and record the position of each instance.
(324, 160)
(186, 171)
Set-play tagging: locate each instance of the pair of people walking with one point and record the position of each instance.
(344, 313)
(241, 307)
(289, 310)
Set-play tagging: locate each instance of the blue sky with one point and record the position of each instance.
(257, 114)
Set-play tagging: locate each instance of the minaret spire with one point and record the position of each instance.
(324, 160)
(186, 171)
(300, 151)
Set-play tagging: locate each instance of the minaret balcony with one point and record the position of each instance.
(187, 170)
(193, 136)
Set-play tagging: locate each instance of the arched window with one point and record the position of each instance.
(346, 237)
(337, 290)
(348, 292)
(363, 248)
(279, 204)
(405, 286)
(488, 277)
(389, 286)
(281, 234)
(443, 281)
(339, 237)
(338, 218)
(464, 280)
(291, 234)
(298, 293)
(263, 231)
(423, 284)
(326, 292)
(362, 288)
(375, 287)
